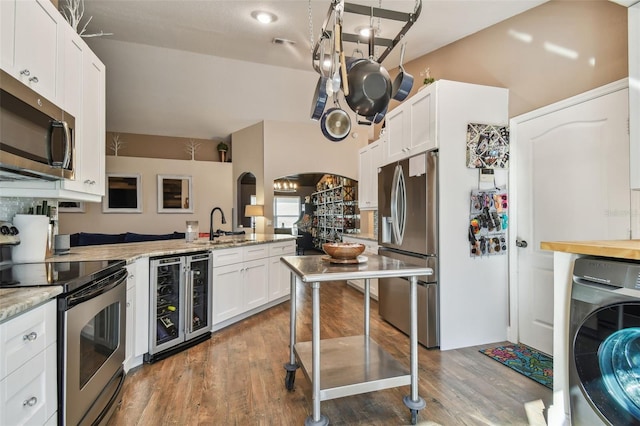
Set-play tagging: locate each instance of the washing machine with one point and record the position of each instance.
(604, 350)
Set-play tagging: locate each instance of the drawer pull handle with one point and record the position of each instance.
(31, 336)
(30, 402)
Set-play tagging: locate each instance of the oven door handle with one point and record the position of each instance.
(96, 289)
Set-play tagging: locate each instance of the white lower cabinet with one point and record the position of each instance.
(240, 281)
(137, 315)
(246, 280)
(28, 391)
(279, 275)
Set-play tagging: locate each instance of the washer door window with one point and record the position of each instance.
(607, 357)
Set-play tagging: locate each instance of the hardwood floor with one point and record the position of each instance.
(237, 377)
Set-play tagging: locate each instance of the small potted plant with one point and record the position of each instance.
(222, 149)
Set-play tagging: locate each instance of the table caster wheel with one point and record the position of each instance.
(289, 380)
(414, 417)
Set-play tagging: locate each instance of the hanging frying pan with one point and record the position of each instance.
(403, 82)
(369, 85)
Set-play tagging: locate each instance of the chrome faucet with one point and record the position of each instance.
(212, 235)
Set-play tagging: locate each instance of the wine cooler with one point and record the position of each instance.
(180, 308)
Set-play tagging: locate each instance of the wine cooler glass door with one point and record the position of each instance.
(198, 299)
(167, 303)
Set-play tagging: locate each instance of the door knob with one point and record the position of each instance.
(521, 243)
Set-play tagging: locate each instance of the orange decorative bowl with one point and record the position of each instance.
(343, 250)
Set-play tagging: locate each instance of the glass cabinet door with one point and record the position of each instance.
(199, 311)
(168, 305)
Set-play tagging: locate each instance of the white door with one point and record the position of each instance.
(571, 166)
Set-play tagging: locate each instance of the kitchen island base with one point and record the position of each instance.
(353, 365)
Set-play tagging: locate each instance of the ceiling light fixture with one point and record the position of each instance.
(264, 17)
(364, 31)
(284, 185)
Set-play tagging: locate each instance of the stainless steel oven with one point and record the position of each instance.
(92, 326)
(91, 333)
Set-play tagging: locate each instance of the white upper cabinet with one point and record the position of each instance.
(370, 159)
(85, 98)
(32, 34)
(634, 93)
(411, 126)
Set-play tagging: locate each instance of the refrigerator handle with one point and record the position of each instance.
(188, 315)
(398, 205)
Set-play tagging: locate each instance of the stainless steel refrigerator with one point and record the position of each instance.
(407, 230)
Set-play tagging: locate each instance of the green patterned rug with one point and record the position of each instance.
(525, 360)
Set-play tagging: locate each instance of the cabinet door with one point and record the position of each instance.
(93, 125)
(397, 135)
(370, 159)
(37, 41)
(130, 318)
(141, 311)
(279, 284)
(255, 282)
(7, 35)
(227, 292)
(634, 93)
(422, 125)
(29, 395)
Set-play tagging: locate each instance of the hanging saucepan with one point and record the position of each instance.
(335, 123)
(403, 82)
(369, 85)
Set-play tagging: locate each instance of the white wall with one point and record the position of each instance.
(212, 187)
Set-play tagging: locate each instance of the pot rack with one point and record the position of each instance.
(339, 6)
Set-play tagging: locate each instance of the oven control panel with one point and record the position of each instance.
(9, 234)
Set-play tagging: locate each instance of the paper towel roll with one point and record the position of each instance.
(33, 238)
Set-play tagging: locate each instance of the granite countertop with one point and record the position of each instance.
(622, 249)
(15, 301)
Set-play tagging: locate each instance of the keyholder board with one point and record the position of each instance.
(488, 222)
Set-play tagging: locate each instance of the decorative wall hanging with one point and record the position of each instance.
(488, 222)
(487, 146)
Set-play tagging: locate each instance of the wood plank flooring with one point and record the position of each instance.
(237, 377)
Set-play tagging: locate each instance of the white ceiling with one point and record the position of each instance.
(225, 29)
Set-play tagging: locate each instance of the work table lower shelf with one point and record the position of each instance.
(352, 365)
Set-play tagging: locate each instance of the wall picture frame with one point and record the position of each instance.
(123, 193)
(175, 194)
(71, 207)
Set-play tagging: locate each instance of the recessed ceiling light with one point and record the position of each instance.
(264, 17)
(364, 31)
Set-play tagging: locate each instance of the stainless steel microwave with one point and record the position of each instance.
(36, 136)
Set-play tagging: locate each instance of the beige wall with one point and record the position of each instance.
(211, 188)
(595, 31)
(273, 149)
(154, 146)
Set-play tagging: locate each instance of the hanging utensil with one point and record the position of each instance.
(320, 95)
(340, 53)
(403, 82)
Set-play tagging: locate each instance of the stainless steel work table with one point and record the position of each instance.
(356, 364)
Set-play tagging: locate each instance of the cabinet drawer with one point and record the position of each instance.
(259, 251)
(28, 395)
(24, 336)
(282, 249)
(227, 256)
